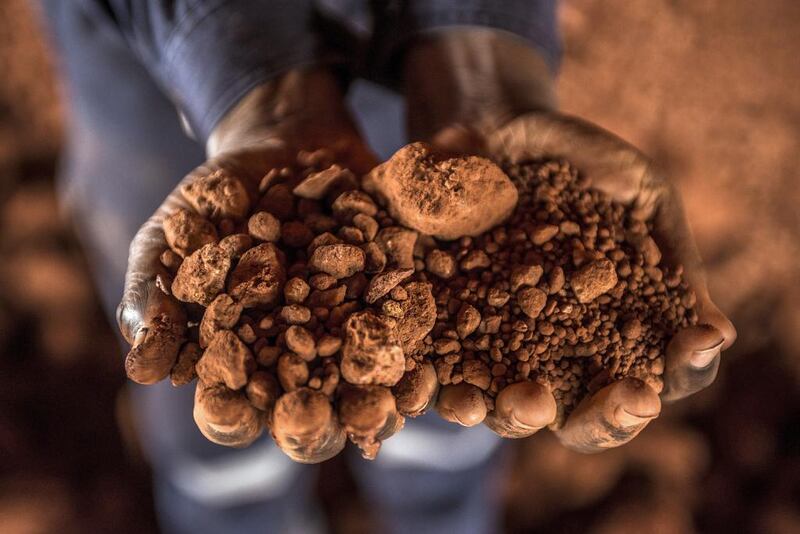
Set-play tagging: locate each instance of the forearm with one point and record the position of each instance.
(484, 77)
(208, 54)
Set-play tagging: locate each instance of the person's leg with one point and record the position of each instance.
(203, 488)
(125, 152)
(434, 476)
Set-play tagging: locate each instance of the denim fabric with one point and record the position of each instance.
(207, 54)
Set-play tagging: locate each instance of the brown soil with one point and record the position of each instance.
(568, 292)
(286, 293)
(574, 308)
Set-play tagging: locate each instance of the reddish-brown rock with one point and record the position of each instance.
(440, 195)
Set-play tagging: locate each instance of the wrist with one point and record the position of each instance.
(483, 78)
(281, 112)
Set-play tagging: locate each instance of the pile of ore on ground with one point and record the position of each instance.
(323, 306)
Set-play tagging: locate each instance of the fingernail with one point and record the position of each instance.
(454, 417)
(523, 424)
(701, 359)
(462, 404)
(626, 419)
(527, 405)
(470, 417)
(139, 337)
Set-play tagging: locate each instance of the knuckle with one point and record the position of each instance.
(688, 380)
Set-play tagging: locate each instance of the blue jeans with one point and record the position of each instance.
(125, 152)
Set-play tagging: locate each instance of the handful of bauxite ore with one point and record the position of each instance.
(330, 305)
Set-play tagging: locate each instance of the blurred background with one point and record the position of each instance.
(710, 88)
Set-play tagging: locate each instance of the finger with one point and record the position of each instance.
(676, 243)
(159, 323)
(693, 354)
(417, 390)
(153, 322)
(611, 417)
(462, 403)
(521, 409)
(225, 416)
(692, 360)
(369, 415)
(305, 426)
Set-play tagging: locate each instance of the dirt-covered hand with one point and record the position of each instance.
(301, 110)
(495, 98)
(617, 413)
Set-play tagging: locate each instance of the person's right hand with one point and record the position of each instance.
(301, 110)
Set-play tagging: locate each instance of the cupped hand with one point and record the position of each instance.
(495, 97)
(301, 110)
(617, 413)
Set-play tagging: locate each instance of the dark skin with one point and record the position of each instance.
(493, 95)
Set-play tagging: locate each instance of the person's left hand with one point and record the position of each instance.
(494, 97)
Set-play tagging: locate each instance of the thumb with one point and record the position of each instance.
(150, 319)
(153, 322)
